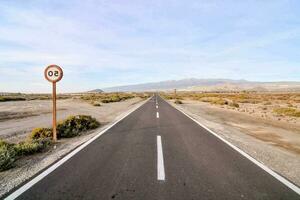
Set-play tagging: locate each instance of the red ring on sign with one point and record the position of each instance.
(58, 68)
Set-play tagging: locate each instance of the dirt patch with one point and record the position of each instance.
(275, 140)
(19, 118)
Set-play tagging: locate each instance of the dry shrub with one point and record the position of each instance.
(38, 133)
(73, 125)
(7, 155)
(292, 112)
(177, 101)
(30, 147)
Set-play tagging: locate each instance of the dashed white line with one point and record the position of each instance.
(160, 161)
(157, 114)
(156, 106)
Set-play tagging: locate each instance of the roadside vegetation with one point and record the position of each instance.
(177, 101)
(292, 112)
(70, 127)
(30, 97)
(278, 104)
(94, 98)
(103, 98)
(10, 152)
(40, 139)
(239, 97)
(11, 98)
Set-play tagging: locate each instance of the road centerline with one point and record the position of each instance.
(160, 161)
(157, 114)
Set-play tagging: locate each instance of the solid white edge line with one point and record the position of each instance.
(28, 185)
(160, 161)
(157, 114)
(280, 178)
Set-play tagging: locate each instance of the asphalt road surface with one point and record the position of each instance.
(158, 153)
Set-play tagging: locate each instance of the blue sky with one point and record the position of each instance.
(116, 42)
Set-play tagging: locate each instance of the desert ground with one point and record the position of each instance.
(18, 118)
(266, 126)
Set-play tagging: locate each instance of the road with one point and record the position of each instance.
(157, 152)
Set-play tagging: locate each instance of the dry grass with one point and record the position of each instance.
(30, 97)
(93, 98)
(292, 112)
(97, 99)
(277, 105)
(241, 97)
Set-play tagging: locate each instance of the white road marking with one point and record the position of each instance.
(157, 114)
(28, 185)
(156, 106)
(160, 161)
(283, 180)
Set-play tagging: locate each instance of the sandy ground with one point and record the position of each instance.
(37, 115)
(18, 118)
(272, 142)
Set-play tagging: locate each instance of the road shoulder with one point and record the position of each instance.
(279, 160)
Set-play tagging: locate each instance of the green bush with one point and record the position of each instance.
(7, 155)
(10, 152)
(73, 125)
(38, 133)
(30, 147)
(70, 127)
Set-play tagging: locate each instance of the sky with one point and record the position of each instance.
(108, 43)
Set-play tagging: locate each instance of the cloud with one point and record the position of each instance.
(103, 43)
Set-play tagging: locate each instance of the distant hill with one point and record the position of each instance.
(194, 84)
(95, 91)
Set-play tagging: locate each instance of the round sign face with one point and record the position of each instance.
(53, 73)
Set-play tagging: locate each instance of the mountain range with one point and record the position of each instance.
(209, 85)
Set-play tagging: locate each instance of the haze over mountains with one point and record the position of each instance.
(209, 85)
(95, 91)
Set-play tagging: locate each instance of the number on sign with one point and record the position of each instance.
(53, 73)
(56, 73)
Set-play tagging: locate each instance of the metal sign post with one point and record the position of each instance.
(53, 74)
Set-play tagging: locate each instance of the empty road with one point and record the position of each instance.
(157, 152)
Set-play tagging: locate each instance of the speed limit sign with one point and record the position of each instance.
(53, 73)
